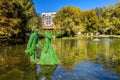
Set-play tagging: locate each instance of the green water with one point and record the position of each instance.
(81, 59)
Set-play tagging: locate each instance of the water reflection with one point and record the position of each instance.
(107, 51)
(45, 72)
(79, 58)
(86, 70)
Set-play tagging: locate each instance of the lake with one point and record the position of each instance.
(80, 59)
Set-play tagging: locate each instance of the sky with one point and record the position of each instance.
(55, 5)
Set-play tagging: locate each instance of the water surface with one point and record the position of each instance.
(81, 59)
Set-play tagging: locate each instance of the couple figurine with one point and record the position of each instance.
(48, 55)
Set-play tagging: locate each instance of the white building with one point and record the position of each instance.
(48, 20)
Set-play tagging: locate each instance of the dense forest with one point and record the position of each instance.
(70, 20)
(19, 16)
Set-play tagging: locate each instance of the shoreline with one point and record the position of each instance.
(98, 36)
(20, 41)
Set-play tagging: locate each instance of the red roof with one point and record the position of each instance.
(48, 27)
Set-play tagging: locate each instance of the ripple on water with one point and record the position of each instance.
(85, 71)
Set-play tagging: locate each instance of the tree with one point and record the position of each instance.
(117, 10)
(91, 21)
(27, 14)
(111, 19)
(108, 11)
(92, 24)
(68, 25)
(17, 16)
(98, 11)
(67, 19)
(116, 26)
(8, 19)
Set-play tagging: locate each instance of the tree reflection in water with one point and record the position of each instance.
(101, 57)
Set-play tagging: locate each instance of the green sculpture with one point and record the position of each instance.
(31, 46)
(48, 54)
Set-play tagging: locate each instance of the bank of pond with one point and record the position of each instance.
(5, 41)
